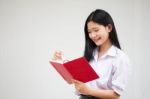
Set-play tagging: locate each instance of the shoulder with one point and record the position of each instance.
(121, 55)
(121, 58)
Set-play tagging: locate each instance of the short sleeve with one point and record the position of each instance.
(121, 73)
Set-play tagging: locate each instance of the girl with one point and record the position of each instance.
(103, 51)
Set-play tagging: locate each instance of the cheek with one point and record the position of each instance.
(90, 36)
(105, 36)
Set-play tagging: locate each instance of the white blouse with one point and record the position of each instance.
(113, 69)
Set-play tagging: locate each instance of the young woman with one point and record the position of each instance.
(103, 51)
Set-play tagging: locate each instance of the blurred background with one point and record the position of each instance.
(31, 30)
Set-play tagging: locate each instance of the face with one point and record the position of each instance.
(99, 34)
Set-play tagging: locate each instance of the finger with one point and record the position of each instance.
(76, 86)
(77, 81)
(57, 55)
(74, 81)
(58, 52)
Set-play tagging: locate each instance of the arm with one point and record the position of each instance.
(103, 94)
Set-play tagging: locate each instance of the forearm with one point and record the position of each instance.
(103, 94)
(99, 93)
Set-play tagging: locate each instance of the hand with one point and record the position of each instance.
(57, 56)
(81, 87)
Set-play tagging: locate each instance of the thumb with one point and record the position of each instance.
(76, 81)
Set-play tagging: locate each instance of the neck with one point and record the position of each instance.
(104, 48)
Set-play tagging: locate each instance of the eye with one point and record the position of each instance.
(96, 30)
(89, 32)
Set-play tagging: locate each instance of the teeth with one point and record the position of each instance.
(97, 39)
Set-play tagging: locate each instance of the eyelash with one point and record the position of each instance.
(94, 31)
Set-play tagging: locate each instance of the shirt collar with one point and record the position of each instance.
(112, 51)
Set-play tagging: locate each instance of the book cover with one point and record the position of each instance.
(78, 69)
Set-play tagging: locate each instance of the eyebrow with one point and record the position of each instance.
(92, 28)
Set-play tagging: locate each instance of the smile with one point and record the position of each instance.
(95, 40)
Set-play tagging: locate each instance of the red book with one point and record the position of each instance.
(78, 69)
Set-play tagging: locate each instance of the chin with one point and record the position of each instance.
(98, 44)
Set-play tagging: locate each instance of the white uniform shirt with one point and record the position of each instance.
(113, 69)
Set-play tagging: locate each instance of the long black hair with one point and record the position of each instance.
(101, 17)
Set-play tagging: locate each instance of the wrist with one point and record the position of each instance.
(90, 90)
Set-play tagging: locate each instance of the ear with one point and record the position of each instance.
(109, 27)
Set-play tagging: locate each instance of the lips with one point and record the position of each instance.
(97, 39)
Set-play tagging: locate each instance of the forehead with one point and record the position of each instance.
(92, 25)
